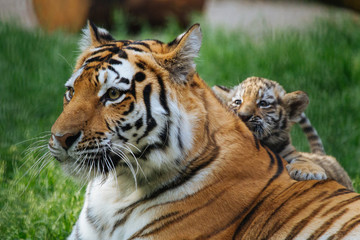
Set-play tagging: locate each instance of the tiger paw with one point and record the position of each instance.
(305, 171)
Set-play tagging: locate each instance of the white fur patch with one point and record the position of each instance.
(71, 81)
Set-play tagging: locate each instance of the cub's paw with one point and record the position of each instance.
(305, 171)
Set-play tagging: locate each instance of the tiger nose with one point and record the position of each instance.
(67, 140)
(245, 116)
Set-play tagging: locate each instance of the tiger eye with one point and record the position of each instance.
(238, 102)
(114, 93)
(69, 93)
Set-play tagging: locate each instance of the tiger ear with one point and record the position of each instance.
(94, 36)
(223, 93)
(179, 60)
(295, 104)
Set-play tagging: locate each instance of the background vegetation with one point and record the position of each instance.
(37, 201)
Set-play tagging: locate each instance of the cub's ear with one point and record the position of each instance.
(295, 103)
(223, 93)
(179, 59)
(94, 36)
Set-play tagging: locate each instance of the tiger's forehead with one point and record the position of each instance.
(259, 88)
(113, 64)
(114, 72)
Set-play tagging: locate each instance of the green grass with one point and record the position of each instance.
(40, 202)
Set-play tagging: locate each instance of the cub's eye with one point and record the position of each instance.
(264, 104)
(237, 102)
(69, 93)
(113, 93)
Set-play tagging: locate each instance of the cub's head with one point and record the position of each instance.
(120, 108)
(265, 107)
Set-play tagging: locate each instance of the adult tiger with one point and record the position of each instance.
(203, 174)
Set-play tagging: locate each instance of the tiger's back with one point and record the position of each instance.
(202, 173)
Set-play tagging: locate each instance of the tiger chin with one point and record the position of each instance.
(269, 112)
(161, 154)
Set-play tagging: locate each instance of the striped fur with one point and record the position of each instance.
(316, 145)
(270, 112)
(199, 172)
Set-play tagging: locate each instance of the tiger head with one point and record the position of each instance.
(120, 109)
(265, 107)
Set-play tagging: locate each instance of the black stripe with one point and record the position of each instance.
(150, 121)
(223, 88)
(272, 161)
(163, 99)
(338, 192)
(142, 44)
(135, 49)
(126, 127)
(308, 129)
(139, 123)
(347, 227)
(342, 204)
(95, 30)
(131, 108)
(181, 145)
(132, 89)
(164, 217)
(124, 80)
(113, 50)
(113, 69)
(149, 148)
(91, 219)
(289, 153)
(119, 223)
(313, 137)
(164, 142)
(114, 62)
(109, 45)
(302, 120)
(108, 126)
(119, 135)
(247, 219)
(122, 54)
(300, 225)
(141, 65)
(175, 219)
(280, 223)
(96, 59)
(326, 225)
(164, 133)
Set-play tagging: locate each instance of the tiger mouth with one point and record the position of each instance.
(257, 128)
(103, 161)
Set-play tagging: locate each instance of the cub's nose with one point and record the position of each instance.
(67, 140)
(244, 116)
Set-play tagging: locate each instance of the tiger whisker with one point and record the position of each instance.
(138, 166)
(123, 156)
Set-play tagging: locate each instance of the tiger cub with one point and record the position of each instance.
(269, 112)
